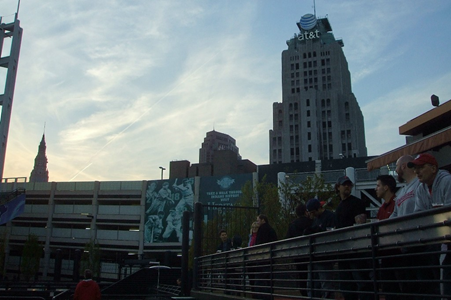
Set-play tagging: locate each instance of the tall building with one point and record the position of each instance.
(216, 141)
(40, 172)
(218, 156)
(319, 117)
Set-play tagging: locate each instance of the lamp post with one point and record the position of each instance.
(162, 169)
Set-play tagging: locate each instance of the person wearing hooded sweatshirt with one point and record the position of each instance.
(87, 289)
(434, 191)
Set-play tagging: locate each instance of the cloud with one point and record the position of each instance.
(386, 114)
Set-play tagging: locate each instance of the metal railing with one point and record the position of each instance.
(390, 258)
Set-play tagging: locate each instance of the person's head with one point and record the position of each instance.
(152, 186)
(344, 187)
(426, 167)
(165, 184)
(88, 274)
(300, 210)
(237, 241)
(314, 208)
(385, 186)
(185, 181)
(262, 219)
(405, 174)
(254, 227)
(179, 281)
(223, 235)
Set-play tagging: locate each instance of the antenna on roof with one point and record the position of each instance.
(17, 12)
(314, 8)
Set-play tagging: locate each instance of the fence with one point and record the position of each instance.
(236, 220)
(390, 258)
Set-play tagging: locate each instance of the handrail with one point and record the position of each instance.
(274, 268)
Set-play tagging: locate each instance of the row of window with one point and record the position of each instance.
(326, 86)
(306, 55)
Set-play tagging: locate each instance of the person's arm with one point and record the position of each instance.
(419, 202)
(98, 294)
(77, 293)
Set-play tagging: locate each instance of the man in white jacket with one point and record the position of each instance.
(434, 191)
(435, 185)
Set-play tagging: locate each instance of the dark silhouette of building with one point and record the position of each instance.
(40, 172)
(218, 156)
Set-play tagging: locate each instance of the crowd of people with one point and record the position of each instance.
(425, 187)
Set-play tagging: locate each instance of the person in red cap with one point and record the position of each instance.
(434, 191)
(435, 185)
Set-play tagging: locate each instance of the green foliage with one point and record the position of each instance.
(90, 259)
(277, 203)
(31, 256)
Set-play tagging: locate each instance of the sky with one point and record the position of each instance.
(124, 87)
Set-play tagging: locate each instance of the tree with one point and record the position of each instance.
(90, 259)
(31, 256)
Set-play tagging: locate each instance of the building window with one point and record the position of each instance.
(309, 136)
(308, 124)
(308, 102)
(295, 106)
(309, 148)
(308, 113)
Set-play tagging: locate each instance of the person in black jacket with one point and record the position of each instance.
(265, 234)
(296, 228)
(323, 272)
(350, 211)
(226, 244)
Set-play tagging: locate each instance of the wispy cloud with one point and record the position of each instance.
(126, 87)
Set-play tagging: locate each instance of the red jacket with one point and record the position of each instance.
(87, 290)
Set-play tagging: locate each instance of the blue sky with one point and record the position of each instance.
(127, 86)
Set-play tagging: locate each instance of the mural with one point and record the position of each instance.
(166, 200)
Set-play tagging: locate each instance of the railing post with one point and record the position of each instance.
(374, 260)
(310, 267)
(197, 237)
(185, 253)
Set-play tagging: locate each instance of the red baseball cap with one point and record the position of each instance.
(423, 158)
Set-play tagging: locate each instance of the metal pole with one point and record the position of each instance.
(185, 253)
(198, 211)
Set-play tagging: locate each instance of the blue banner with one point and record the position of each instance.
(12, 209)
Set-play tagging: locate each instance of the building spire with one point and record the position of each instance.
(40, 172)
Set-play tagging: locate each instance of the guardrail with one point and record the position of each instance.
(391, 258)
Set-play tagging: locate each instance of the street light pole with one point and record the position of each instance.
(162, 169)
